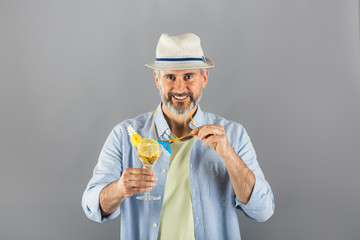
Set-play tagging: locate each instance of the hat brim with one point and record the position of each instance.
(181, 65)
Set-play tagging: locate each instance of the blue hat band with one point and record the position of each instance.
(187, 59)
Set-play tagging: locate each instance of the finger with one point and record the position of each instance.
(201, 132)
(213, 139)
(143, 171)
(209, 130)
(142, 190)
(205, 130)
(132, 191)
(195, 130)
(139, 184)
(140, 177)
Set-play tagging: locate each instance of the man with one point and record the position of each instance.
(204, 179)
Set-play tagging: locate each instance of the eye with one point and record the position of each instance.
(170, 77)
(188, 77)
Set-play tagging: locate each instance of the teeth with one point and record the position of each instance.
(180, 98)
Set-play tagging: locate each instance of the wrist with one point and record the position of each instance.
(119, 191)
(229, 153)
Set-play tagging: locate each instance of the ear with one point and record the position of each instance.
(156, 80)
(205, 81)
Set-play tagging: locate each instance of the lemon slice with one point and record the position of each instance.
(135, 138)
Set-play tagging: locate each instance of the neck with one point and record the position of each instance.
(179, 124)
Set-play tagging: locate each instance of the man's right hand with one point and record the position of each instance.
(136, 180)
(133, 180)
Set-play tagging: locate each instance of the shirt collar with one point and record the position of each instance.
(162, 126)
(199, 118)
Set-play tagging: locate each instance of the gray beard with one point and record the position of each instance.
(180, 109)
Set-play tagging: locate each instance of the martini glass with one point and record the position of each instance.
(148, 163)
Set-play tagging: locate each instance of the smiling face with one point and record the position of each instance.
(179, 86)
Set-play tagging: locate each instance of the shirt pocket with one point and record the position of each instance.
(219, 182)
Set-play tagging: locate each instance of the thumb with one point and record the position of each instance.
(195, 131)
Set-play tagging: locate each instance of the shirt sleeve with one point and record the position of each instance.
(107, 170)
(261, 205)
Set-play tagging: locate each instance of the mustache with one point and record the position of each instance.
(171, 94)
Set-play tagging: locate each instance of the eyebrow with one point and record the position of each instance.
(169, 75)
(173, 75)
(190, 73)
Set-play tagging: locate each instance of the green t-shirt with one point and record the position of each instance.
(177, 219)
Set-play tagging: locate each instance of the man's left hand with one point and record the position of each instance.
(215, 137)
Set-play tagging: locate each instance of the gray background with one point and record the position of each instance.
(287, 70)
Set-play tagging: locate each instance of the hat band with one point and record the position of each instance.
(188, 59)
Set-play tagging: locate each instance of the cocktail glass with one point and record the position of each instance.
(149, 163)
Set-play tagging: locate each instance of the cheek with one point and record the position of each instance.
(195, 89)
(164, 90)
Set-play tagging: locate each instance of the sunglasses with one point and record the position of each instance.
(181, 139)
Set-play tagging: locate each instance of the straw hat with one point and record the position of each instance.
(180, 52)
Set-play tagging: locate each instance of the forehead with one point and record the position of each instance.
(180, 72)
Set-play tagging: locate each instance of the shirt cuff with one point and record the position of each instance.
(254, 198)
(261, 203)
(91, 205)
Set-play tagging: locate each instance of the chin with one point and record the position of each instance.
(177, 108)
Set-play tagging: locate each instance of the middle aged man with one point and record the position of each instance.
(204, 179)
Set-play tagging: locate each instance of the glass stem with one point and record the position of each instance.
(147, 194)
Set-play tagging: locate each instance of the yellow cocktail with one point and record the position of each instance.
(148, 151)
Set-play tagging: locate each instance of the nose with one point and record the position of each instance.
(179, 86)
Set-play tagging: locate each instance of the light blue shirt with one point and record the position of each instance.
(213, 198)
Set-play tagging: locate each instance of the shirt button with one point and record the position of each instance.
(164, 170)
(155, 225)
(197, 219)
(190, 165)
